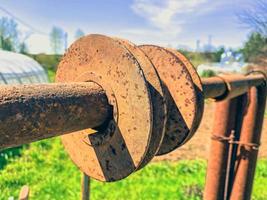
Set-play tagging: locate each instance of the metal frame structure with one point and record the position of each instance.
(20, 69)
(240, 104)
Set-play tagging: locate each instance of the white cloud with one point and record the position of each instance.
(168, 18)
(166, 15)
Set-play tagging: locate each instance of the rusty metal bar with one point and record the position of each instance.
(241, 109)
(33, 112)
(227, 125)
(213, 87)
(230, 85)
(248, 143)
(217, 164)
(85, 187)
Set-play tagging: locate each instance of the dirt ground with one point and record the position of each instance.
(198, 146)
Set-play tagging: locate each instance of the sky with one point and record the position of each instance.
(172, 23)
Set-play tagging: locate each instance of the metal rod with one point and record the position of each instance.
(85, 187)
(217, 164)
(213, 87)
(33, 112)
(247, 153)
(221, 86)
(241, 105)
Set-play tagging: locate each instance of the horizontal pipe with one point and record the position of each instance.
(33, 112)
(230, 86)
(213, 87)
(30, 113)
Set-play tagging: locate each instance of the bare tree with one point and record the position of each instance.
(255, 17)
(57, 40)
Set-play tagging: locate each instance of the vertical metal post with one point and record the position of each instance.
(217, 164)
(240, 110)
(85, 187)
(247, 153)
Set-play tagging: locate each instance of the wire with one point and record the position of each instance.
(33, 29)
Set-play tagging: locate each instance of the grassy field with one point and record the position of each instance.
(46, 168)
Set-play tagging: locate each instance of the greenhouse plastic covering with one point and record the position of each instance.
(20, 69)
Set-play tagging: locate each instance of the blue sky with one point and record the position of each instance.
(162, 22)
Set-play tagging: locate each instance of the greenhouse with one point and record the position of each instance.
(20, 69)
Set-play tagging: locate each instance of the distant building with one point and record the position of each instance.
(20, 69)
(198, 48)
(206, 47)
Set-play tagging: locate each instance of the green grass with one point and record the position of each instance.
(51, 74)
(46, 168)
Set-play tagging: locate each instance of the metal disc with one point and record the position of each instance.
(197, 86)
(157, 97)
(180, 96)
(113, 152)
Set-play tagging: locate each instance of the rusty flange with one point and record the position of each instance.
(113, 152)
(197, 86)
(181, 97)
(157, 97)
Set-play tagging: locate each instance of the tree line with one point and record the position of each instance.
(11, 39)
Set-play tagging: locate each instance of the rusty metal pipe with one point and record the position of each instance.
(217, 164)
(213, 87)
(245, 162)
(240, 110)
(33, 112)
(230, 86)
(85, 187)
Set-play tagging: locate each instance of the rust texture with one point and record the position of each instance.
(33, 112)
(178, 88)
(115, 152)
(230, 86)
(247, 151)
(217, 165)
(157, 100)
(123, 104)
(197, 87)
(213, 87)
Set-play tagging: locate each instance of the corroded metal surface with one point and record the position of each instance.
(230, 86)
(214, 87)
(130, 97)
(246, 158)
(127, 136)
(217, 165)
(180, 96)
(198, 89)
(157, 98)
(33, 112)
